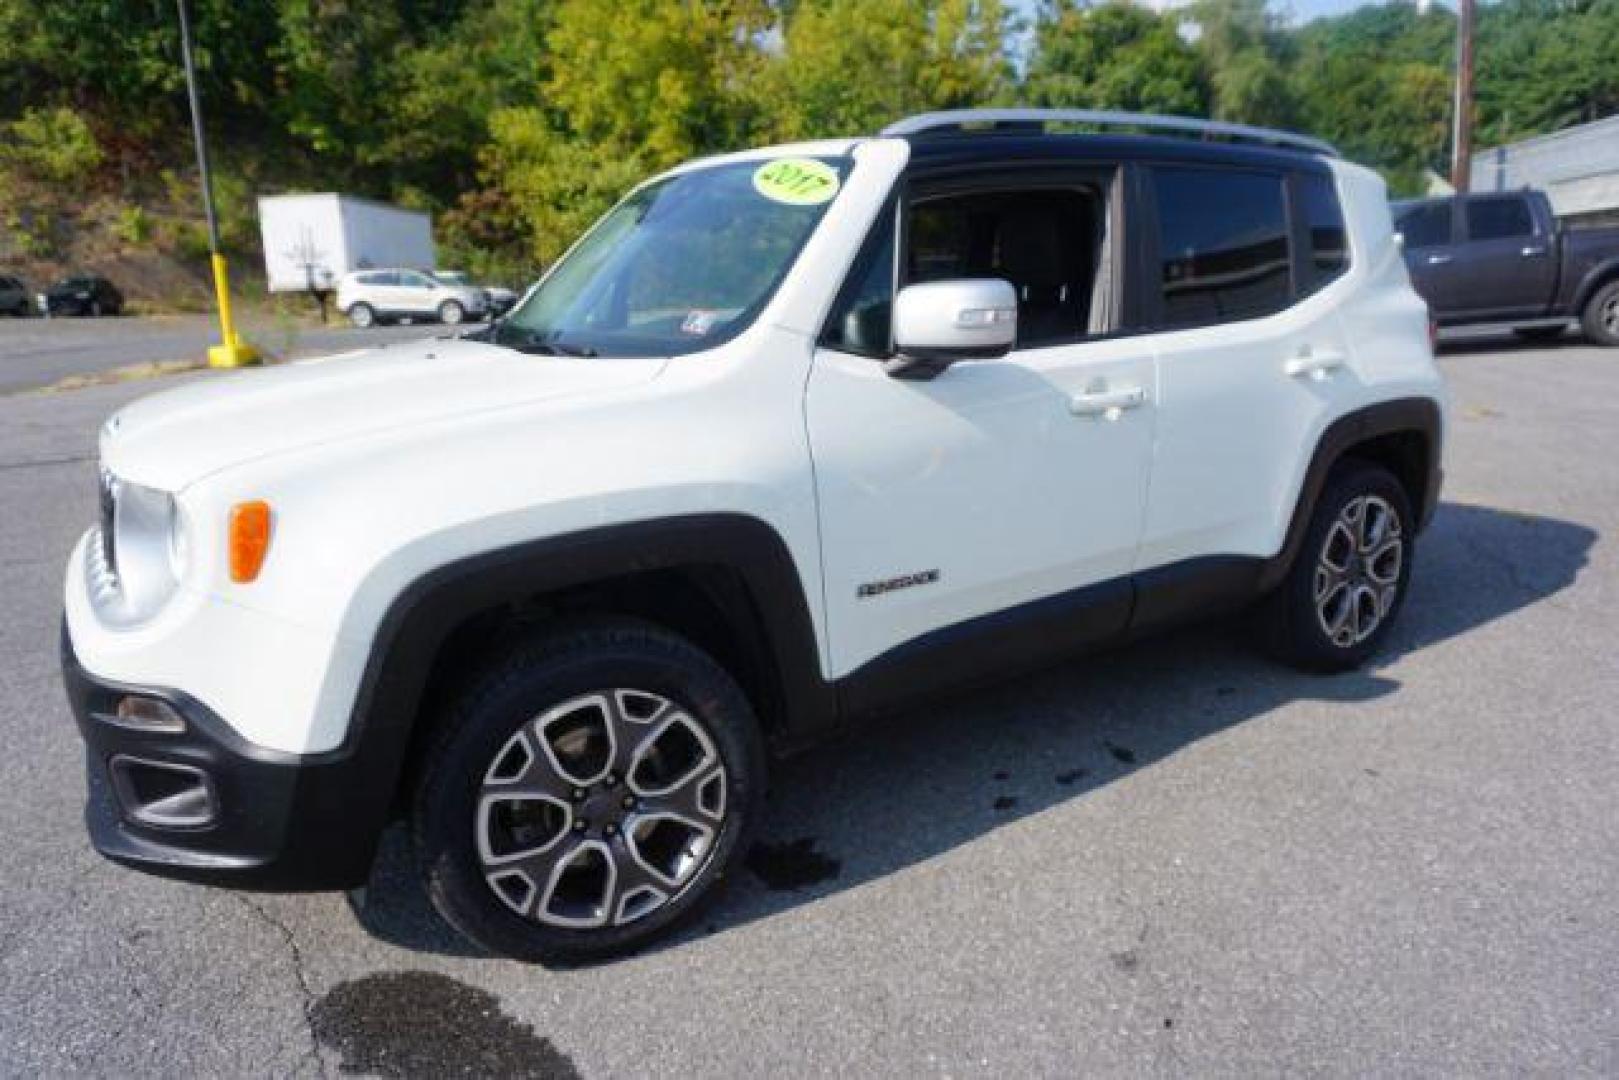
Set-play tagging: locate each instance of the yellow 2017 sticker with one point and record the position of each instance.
(796, 181)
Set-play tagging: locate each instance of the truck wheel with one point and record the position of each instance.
(450, 313)
(362, 315)
(590, 790)
(1349, 578)
(1601, 320)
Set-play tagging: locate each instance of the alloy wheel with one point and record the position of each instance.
(601, 810)
(1357, 574)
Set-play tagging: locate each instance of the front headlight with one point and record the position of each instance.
(148, 556)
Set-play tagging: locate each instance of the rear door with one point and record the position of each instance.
(1429, 231)
(1252, 361)
(1507, 258)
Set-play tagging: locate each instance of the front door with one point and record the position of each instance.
(974, 520)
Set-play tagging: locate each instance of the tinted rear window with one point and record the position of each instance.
(1222, 245)
(1328, 251)
(1498, 219)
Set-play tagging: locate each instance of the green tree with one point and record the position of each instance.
(1247, 54)
(1114, 55)
(848, 67)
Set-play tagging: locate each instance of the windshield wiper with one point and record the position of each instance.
(552, 348)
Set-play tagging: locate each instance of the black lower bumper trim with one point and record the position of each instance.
(280, 822)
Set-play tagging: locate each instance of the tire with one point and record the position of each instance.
(1600, 320)
(451, 313)
(529, 878)
(362, 315)
(1540, 333)
(1339, 629)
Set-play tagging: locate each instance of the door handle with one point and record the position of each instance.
(1106, 403)
(1438, 260)
(1529, 251)
(1316, 364)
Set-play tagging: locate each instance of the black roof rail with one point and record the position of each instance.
(959, 121)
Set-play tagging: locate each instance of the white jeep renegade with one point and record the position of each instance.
(790, 438)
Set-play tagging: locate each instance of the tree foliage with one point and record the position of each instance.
(518, 121)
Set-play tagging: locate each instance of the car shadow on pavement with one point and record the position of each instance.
(1507, 342)
(900, 792)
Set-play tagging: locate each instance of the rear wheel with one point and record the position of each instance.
(1601, 319)
(1349, 578)
(451, 312)
(590, 790)
(362, 315)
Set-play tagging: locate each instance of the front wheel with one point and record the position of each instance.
(1601, 319)
(591, 790)
(1349, 579)
(362, 315)
(450, 313)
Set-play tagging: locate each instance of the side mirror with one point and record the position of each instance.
(941, 322)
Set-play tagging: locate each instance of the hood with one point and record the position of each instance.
(171, 440)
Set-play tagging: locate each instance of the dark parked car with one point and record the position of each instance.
(1502, 257)
(83, 294)
(14, 297)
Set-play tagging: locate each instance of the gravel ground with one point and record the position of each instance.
(1176, 858)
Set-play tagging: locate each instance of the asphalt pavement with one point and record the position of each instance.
(38, 352)
(1173, 859)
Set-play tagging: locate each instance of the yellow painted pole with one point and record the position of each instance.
(231, 350)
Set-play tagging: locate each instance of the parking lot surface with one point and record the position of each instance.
(39, 352)
(1175, 858)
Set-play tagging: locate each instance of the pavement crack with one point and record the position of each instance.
(296, 954)
(42, 463)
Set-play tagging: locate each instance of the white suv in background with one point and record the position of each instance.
(791, 438)
(371, 296)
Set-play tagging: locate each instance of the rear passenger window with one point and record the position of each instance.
(1498, 219)
(1222, 246)
(1327, 254)
(1425, 226)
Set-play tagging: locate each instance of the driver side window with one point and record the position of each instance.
(1048, 242)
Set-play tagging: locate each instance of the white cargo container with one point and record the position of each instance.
(312, 240)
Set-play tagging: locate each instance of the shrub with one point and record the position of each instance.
(54, 146)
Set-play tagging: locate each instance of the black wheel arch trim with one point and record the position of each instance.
(1414, 415)
(1592, 281)
(421, 617)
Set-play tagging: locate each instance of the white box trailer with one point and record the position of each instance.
(312, 240)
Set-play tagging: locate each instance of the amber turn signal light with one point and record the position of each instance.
(249, 539)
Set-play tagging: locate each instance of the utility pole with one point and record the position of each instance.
(231, 351)
(1461, 162)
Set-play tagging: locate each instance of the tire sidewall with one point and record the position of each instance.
(1311, 643)
(1592, 322)
(445, 808)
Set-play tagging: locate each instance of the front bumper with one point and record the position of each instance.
(202, 804)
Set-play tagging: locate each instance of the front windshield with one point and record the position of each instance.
(452, 277)
(681, 265)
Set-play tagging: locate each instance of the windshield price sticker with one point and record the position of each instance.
(796, 181)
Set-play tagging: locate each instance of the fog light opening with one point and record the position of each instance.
(163, 794)
(145, 714)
